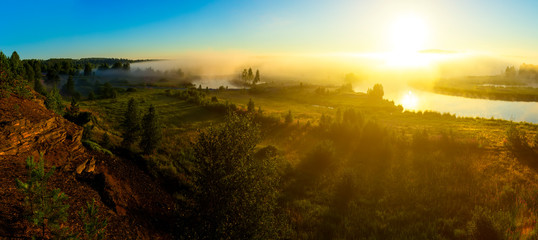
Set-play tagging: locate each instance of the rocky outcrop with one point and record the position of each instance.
(136, 206)
(27, 128)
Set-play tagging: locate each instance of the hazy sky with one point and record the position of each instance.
(165, 29)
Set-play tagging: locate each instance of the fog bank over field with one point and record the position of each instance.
(392, 70)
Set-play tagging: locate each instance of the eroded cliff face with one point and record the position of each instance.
(134, 203)
(28, 128)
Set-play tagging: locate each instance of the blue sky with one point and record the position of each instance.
(164, 29)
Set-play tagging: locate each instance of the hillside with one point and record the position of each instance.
(124, 192)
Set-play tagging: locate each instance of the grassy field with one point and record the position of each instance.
(405, 175)
(488, 87)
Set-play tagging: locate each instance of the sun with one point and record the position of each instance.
(407, 35)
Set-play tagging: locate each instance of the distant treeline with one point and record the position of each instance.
(74, 66)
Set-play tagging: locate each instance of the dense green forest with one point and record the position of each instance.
(276, 161)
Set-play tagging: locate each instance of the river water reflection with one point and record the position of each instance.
(467, 107)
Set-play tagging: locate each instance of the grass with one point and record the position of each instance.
(426, 187)
(511, 89)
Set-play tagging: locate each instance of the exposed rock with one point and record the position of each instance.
(140, 207)
(26, 127)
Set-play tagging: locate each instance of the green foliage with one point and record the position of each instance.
(151, 131)
(74, 115)
(130, 124)
(486, 224)
(289, 118)
(53, 78)
(105, 141)
(12, 77)
(38, 87)
(107, 91)
(94, 226)
(256, 79)
(73, 109)
(88, 69)
(91, 96)
(16, 65)
(117, 65)
(54, 101)
(87, 132)
(516, 139)
(103, 66)
(235, 192)
(320, 160)
(45, 208)
(68, 89)
(96, 147)
(376, 92)
(127, 66)
(250, 106)
(535, 142)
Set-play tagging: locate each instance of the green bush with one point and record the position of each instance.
(96, 147)
(45, 208)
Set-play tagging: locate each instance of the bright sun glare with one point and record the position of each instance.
(408, 35)
(409, 101)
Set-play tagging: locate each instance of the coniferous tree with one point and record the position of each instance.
(37, 71)
(126, 66)
(244, 76)
(250, 106)
(16, 64)
(46, 209)
(52, 77)
(151, 131)
(108, 91)
(69, 87)
(29, 72)
(91, 96)
(289, 118)
(250, 75)
(74, 109)
(103, 66)
(256, 78)
(117, 65)
(54, 101)
(376, 92)
(5, 71)
(131, 124)
(88, 69)
(94, 226)
(38, 87)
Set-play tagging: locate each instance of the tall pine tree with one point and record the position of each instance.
(256, 78)
(151, 131)
(131, 124)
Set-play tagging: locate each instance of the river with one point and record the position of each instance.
(415, 100)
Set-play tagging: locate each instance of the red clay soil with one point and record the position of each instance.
(134, 204)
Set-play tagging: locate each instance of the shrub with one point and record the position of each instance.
(235, 192)
(46, 208)
(289, 118)
(516, 139)
(376, 92)
(54, 101)
(96, 147)
(94, 227)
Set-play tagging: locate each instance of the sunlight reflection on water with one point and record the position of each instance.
(468, 107)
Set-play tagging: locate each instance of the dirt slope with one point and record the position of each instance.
(135, 205)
